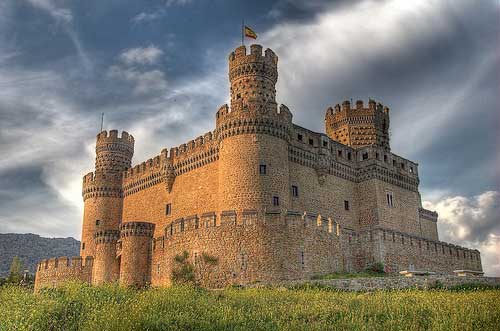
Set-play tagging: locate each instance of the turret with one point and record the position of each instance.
(135, 265)
(253, 134)
(102, 190)
(106, 264)
(359, 126)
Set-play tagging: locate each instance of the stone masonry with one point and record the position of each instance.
(271, 200)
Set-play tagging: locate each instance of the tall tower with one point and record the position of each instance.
(253, 135)
(102, 190)
(359, 127)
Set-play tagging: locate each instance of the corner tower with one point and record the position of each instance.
(253, 135)
(102, 190)
(359, 126)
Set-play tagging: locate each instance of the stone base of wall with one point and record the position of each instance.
(390, 283)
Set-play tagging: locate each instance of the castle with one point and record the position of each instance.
(268, 199)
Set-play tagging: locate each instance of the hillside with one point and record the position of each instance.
(32, 248)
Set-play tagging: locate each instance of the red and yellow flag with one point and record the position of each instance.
(250, 33)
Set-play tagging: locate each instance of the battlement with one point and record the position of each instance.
(358, 109)
(106, 236)
(240, 55)
(137, 229)
(54, 271)
(428, 214)
(113, 137)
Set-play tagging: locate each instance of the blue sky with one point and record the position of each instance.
(158, 69)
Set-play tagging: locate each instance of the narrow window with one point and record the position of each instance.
(339, 152)
(325, 143)
(389, 199)
(377, 156)
(83, 246)
(97, 222)
(295, 191)
(302, 259)
(349, 156)
(263, 169)
(393, 163)
(411, 170)
(311, 142)
(385, 158)
(402, 165)
(168, 209)
(299, 137)
(276, 201)
(158, 268)
(182, 225)
(365, 156)
(346, 205)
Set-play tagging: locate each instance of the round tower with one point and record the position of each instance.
(106, 267)
(359, 126)
(135, 242)
(102, 190)
(253, 135)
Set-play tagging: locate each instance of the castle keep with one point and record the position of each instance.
(270, 200)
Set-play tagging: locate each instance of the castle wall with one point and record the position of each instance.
(251, 248)
(400, 251)
(55, 271)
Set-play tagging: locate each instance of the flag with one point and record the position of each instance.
(250, 33)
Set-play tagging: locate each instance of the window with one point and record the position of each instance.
(411, 170)
(377, 156)
(295, 191)
(365, 156)
(299, 137)
(302, 260)
(385, 158)
(339, 152)
(402, 165)
(311, 142)
(158, 268)
(168, 209)
(83, 246)
(263, 169)
(389, 199)
(325, 143)
(393, 163)
(276, 201)
(349, 156)
(346, 205)
(97, 222)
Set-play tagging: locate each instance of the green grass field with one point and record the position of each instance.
(81, 307)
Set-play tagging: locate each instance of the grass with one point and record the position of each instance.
(82, 307)
(344, 275)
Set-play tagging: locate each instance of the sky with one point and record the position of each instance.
(158, 69)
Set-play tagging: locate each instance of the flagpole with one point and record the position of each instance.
(242, 32)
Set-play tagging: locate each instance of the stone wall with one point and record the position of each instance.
(394, 283)
(54, 271)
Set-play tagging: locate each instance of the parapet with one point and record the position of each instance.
(54, 271)
(106, 236)
(240, 55)
(125, 138)
(358, 107)
(144, 229)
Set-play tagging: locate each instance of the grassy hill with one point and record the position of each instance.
(32, 248)
(81, 307)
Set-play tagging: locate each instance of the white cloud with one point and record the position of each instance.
(148, 17)
(141, 55)
(60, 14)
(145, 82)
(472, 222)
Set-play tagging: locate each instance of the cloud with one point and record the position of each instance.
(472, 222)
(60, 14)
(144, 82)
(144, 17)
(141, 55)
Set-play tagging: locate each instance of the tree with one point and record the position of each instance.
(16, 271)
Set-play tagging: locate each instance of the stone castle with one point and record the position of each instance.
(270, 200)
